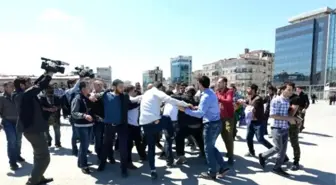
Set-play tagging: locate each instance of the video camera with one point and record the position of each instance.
(84, 72)
(53, 65)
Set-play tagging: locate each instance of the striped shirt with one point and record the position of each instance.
(279, 106)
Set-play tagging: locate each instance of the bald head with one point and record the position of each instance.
(149, 86)
(98, 85)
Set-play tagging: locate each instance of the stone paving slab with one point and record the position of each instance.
(317, 146)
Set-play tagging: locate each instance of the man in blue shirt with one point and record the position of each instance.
(208, 109)
(116, 105)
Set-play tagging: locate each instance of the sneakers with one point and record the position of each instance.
(58, 145)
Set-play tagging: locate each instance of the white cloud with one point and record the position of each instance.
(55, 15)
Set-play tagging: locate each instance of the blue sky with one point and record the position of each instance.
(135, 35)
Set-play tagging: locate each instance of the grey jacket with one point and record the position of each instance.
(8, 110)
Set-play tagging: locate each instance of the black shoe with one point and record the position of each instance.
(170, 164)
(112, 161)
(89, 152)
(131, 166)
(14, 167)
(286, 159)
(86, 170)
(75, 152)
(124, 173)
(206, 175)
(222, 172)
(49, 143)
(295, 166)
(46, 180)
(20, 159)
(162, 155)
(58, 145)
(249, 154)
(280, 171)
(101, 167)
(261, 161)
(154, 175)
(230, 161)
(142, 159)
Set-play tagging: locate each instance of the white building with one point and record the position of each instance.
(251, 67)
(105, 73)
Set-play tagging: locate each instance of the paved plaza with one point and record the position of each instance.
(317, 146)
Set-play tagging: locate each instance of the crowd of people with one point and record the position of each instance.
(116, 119)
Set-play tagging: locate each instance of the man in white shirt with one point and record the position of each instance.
(153, 123)
(134, 128)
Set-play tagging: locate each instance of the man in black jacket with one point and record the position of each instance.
(83, 122)
(303, 105)
(51, 105)
(188, 126)
(34, 126)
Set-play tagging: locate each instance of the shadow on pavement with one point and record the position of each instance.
(307, 143)
(25, 170)
(316, 134)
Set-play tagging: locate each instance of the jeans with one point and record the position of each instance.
(280, 140)
(13, 141)
(84, 139)
(74, 138)
(211, 132)
(98, 131)
(151, 130)
(57, 131)
(257, 128)
(41, 155)
(110, 132)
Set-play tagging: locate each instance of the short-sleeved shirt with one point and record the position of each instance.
(279, 106)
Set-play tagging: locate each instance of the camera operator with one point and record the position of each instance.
(51, 105)
(34, 125)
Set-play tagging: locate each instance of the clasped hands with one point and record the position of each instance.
(189, 106)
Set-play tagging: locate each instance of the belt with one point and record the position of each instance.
(277, 128)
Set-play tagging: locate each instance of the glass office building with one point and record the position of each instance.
(304, 50)
(181, 69)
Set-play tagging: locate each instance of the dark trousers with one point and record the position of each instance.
(41, 155)
(84, 140)
(294, 140)
(151, 130)
(136, 138)
(183, 133)
(110, 132)
(13, 141)
(257, 128)
(57, 132)
(98, 131)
